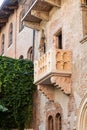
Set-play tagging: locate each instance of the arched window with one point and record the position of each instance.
(3, 42)
(10, 34)
(82, 115)
(42, 46)
(21, 26)
(21, 57)
(54, 116)
(50, 123)
(58, 121)
(30, 54)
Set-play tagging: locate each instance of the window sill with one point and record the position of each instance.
(84, 39)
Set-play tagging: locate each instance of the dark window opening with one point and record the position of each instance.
(50, 123)
(58, 121)
(3, 41)
(30, 54)
(10, 34)
(21, 57)
(60, 40)
(21, 26)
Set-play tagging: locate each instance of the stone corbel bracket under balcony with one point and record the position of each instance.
(54, 68)
(63, 83)
(47, 91)
(39, 11)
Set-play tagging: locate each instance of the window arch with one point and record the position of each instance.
(21, 57)
(58, 121)
(3, 43)
(10, 34)
(50, 123)
(82, 115)
(21, 26)
(30, 54)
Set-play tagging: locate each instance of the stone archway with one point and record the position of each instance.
(82, 115)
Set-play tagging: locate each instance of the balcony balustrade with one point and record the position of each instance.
(56, 62)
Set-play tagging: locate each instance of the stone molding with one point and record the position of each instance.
(47, 91)
(63, 83)
(82, 114)
(51, 110)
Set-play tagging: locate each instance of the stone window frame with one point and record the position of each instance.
(55, 39)
(42, 46)
(3, 44)
(21, 25)
(84, 19)
(82, 114)
(30, 53)
(55, 125)
(10, 34)
(53, 113)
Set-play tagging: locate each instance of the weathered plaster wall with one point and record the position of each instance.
(22, 40)
(9, 51)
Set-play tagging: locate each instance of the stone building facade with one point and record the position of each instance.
(60, 62)
(15, 34)
(60, 39)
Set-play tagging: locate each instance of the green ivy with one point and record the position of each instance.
(16, 82)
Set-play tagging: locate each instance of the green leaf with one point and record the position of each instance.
(16, 82)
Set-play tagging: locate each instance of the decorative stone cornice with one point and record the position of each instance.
(63, 83)
(47, 91)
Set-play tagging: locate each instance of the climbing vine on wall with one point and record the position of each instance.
(16, 83)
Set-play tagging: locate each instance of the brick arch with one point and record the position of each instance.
(55, 111)
(82, 114)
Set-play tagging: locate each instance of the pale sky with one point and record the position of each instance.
(1, 2)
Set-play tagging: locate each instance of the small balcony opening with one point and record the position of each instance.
(57, 40)
(60, 40)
